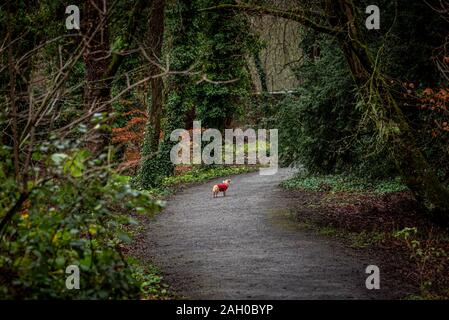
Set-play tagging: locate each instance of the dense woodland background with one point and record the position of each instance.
(86, 114)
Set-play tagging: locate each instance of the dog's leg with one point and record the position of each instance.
(224, 193)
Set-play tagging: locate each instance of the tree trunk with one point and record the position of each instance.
(261, 72)
(155, 166)
(97, 60)
(155, 40)
(263, 83)
(101, 64)
(388, 116)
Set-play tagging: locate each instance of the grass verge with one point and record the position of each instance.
(195, 175)
(343, 183)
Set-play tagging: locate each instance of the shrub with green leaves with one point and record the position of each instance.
(75, 213)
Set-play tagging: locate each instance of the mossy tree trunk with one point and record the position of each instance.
(387, 115)
(155, 165)
(155, 40)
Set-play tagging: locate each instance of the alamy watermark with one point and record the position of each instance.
(73, 20)
(373, 280)
(371, 23)
(191, 150)
(373, 20)
(73, 280)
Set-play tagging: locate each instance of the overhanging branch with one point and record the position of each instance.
(290, 15)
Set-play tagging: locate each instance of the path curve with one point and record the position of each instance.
(243, 246)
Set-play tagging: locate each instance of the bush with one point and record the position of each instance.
(74, 214)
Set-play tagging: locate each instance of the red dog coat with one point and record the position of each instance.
(222, 187)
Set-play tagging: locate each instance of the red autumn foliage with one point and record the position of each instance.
(436, 102)
(130, 137)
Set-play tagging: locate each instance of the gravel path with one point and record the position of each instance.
(244, 246)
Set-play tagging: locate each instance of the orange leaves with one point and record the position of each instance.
(428, 92)
(435, 100)
(443, 95)
(134, 111)
(131, 135)
(132, 132)
(134, 129)
(127, 137)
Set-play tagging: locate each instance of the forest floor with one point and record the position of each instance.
(253, 244)
(389, 226)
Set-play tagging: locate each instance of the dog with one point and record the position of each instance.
(221, 187)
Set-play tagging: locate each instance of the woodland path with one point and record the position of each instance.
(245, 246)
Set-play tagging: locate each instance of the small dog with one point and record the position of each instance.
(221, 187)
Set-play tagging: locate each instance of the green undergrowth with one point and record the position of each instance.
(342, 183)
(150, 279)
(197, 175)
(202, 174)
